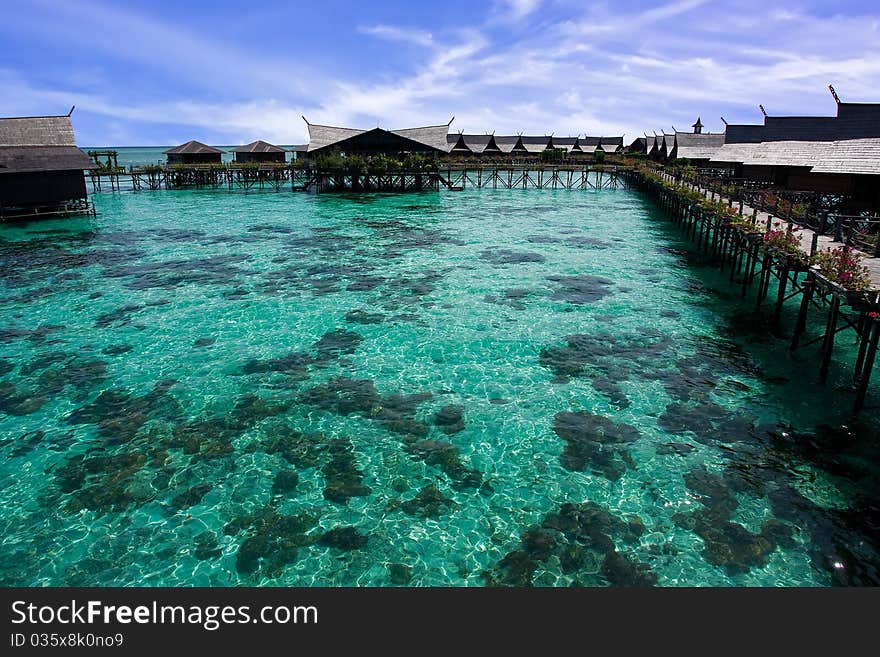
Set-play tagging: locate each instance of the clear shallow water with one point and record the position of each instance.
(203, 388)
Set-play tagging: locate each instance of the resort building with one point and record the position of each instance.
(638, 145)
(611, 144)
(194, 152)
(697, 147)
(826, 154)
(511, 144)
(260, 151)
(473, 144)
(428, 139)
(41, 168)
(535, 145)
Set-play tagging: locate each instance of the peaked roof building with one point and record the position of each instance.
(40, 143)
(422, 139)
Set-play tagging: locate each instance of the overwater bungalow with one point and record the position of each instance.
(194, 152)
(259, 151)
(41, 168)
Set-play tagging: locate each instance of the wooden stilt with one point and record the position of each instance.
(828, 342)
(865, 378)
(801, 325)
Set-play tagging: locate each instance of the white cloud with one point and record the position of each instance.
(588, 70)
(406, 35)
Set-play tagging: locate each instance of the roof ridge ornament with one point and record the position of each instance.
(834, 93)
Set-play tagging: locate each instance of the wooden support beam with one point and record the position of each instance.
(780, 297)
(828, 342)
(808, 287)
(865, 378)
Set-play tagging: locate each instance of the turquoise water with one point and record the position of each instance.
(503, 387)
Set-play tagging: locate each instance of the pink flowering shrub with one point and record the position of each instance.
(844, 266)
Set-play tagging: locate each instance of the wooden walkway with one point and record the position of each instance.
(778, 277)
(811, 242)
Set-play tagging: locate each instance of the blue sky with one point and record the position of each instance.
(224, 72)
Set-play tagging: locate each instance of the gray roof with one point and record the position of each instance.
(477, 143)
(20, 159)
(535, 144)
(40, 143)
(507, 142)
(259, 146)
(432, 135)
(321, 136)
(299, 148)
(668, 143)
(734, 153)
(698, 146)
(566, 143)
(37, 131)
(787, 153)
(452, 139)
(851, 156)
(612, 141)
(192, 147)
(435, 136)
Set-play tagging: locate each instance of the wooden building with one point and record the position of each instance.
(428, 139)
(260, 151)
(838, 155)
(697, 147)
(567, 144)
(611, 144)
(194, 152)
(40, 164)
(462, 144)
(511, 144)
(534, 145)
(638, 145)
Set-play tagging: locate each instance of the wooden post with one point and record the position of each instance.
(865, 378)
(828, 342)
(864, 331)
(780, 296)
(801, 325)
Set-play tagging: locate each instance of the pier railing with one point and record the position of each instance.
(307, 176)
(859, 231)
(70, 208)
(817, 211)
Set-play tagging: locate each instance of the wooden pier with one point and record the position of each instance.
(308, 178)
(775, 276)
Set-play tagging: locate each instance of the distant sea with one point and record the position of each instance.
(142, 155)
